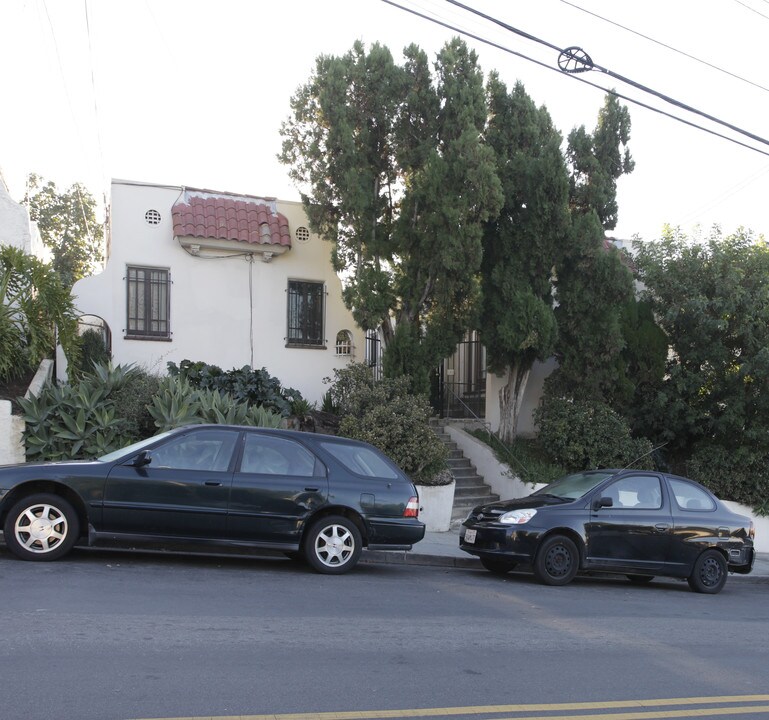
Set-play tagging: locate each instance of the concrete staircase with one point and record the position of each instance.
(470, 490)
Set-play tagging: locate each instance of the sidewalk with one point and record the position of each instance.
(442, 549)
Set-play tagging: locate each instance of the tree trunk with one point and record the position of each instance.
(510, 401)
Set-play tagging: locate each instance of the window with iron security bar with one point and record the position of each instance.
(306, 302)
(148, 303)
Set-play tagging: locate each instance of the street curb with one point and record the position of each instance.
(393, 557)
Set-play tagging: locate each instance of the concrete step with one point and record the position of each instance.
(469, 489)
(475, 491)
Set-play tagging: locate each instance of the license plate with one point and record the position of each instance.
(470, 536)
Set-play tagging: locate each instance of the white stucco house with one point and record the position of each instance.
(224, 278)
(16, 229)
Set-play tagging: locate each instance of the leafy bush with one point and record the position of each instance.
(255, 387)
(93, 351)
(34, 307)
(386, 415)
(583, 435)
(132, 399)
(738, 473)
(78, 420)
(178, 403)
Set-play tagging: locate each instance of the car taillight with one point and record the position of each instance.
(412, 507)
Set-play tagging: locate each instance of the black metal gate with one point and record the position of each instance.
(462, 381)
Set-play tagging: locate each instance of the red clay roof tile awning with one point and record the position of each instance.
(223, 216)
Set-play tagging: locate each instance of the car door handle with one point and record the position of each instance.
(212, 483)
(662, 527)
(311, 489)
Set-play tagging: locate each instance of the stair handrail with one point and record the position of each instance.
(492, 437)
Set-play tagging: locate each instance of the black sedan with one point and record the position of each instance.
(313, 497)
(638, 524)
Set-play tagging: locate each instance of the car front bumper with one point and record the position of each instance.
(516, 542)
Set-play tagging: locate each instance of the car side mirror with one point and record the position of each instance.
(142, 459)
(602, 502)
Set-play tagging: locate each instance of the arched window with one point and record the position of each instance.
(344, 342)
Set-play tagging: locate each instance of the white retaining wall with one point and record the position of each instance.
(12, 426)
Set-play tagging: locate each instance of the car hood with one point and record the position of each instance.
(530, 501)
(11, 475)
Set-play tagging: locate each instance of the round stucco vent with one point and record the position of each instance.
(302, 234)
(152, 217)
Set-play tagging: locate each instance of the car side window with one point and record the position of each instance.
(268, 455)
(635, 492)
(690, 497)
(209, 450)
(360, 460)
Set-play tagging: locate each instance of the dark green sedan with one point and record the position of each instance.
(313, 497)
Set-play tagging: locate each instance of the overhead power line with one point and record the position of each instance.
(668, 47)
(634, 101)
(745, 5)
(576, 60)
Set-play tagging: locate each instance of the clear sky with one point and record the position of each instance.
(193, 92)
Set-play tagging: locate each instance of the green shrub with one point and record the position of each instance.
(583, 435)
(132, 400)
(386, 415)
(36, 309)
(255, 387)
(93, 350)
(78, 420)
(737, 473)
(178, 403)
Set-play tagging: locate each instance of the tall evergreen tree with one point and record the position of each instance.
(523, 244)
(593, 285)
(397, 177)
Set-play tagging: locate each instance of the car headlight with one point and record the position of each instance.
(517, 517)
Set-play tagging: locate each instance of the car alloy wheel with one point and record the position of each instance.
(709, 573)
(557, 561)
(333, 545)
(41, 527)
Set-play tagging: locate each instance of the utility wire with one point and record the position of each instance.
(510, 51)
(668, 47)
(745, 5)
(72, 111)
(582, 62)
(95, 103)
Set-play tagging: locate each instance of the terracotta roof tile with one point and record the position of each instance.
(222, 216)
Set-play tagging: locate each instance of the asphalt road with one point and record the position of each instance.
(111, 636)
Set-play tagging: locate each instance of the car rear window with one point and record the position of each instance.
(360, 460)
(690, 497)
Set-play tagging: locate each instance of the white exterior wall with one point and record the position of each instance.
(210, 300)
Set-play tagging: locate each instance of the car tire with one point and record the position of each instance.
(333, 545)
(640, 579)
(709, 573)
(498, 566)
(556, 561)
(41, 527)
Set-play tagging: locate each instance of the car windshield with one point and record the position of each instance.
(574, 486)
(128, 449)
